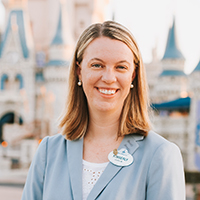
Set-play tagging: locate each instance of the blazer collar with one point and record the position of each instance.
(130, 143)
(75, 155)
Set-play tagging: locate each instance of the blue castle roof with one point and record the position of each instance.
(21, 30)
(172, 73)
(172, 51)
(178, 104)
(58, 38)
(58, 63)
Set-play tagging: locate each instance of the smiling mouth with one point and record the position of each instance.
(105, 91)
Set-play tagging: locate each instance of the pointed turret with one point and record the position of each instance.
(172, 81)
(173, 60)
(58, 38)
(172, 51)
(62, 43)
(16, 24)
(17, 29)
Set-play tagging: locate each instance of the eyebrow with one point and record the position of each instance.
(96, 59)
(121, 61)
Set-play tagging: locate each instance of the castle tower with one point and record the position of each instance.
(153, 70)
(54, 28)
(17, 97)
(81, 14)
(56, 70)
(172, 71)
(173, 59)
(62, 44)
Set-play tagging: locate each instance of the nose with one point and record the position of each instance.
(109, 75)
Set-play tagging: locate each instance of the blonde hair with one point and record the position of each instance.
(134, 117)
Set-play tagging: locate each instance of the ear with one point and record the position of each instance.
(133, 76)
(78, 70)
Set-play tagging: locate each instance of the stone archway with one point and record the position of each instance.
(8, 118)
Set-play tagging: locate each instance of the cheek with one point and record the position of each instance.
(88, 82)
(126, 81)
(87, 78)
(90, 77)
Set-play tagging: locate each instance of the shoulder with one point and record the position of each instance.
(165, 170)
(53, 140)
(162, 154)
(52, 143)
(158, 145)
(156, 140)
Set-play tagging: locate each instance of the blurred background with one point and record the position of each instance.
(37, 38)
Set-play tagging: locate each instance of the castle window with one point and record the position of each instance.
(4, 82)
(19, 80)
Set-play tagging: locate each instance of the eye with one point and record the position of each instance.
(121, 67)
(96, 65)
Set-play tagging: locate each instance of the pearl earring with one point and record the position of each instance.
(79, 83)
(132, 86)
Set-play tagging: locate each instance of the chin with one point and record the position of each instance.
(107, 107)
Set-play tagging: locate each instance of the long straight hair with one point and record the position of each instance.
(134, 117)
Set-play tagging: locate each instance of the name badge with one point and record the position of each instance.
(120, 158)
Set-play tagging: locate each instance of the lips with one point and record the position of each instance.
(107, 91)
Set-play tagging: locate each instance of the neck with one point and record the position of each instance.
(103, 126)
(101, 137)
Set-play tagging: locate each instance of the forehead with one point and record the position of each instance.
(104, 47)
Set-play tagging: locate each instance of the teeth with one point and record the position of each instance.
(104, 91)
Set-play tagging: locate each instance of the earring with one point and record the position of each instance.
(79, 83)
(132, 86)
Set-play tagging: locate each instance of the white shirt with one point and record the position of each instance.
(91, 173)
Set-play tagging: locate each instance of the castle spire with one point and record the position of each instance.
(172, 51)
(16, 24)
(58, 38)
(63, 35)
(62, 44)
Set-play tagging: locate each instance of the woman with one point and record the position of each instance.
(106, 149)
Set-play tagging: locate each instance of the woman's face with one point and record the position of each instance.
(106, 72)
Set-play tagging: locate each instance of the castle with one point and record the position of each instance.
(35, 53)
(175, 99)
(35, 50)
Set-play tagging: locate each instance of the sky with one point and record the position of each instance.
(150, 20)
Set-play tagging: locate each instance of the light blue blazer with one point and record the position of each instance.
(156, 172)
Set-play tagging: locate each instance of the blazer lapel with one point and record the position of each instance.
(129, 142)
(74, 155)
